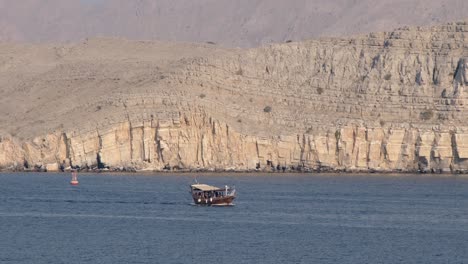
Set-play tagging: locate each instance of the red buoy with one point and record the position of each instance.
(74, 179)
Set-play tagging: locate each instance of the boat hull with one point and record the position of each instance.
(215, 201)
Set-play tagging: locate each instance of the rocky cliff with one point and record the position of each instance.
(392, 101)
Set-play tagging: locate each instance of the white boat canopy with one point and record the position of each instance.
(205, 187)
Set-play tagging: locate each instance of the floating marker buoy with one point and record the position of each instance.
(74, 183)
(74, 179)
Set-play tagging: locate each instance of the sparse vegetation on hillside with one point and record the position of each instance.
(337, 135)
(427, 115)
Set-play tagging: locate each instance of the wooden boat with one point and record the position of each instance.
(74, 179)
(204, 194)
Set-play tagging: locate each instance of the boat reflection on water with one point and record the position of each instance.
(204, 194)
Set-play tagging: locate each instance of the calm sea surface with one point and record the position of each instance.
(276, 219)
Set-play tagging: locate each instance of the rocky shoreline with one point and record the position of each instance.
(284, 170)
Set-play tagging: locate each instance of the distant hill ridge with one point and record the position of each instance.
(244, 23)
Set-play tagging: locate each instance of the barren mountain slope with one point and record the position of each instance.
(46, 84)
(228, 22)
(384, 101)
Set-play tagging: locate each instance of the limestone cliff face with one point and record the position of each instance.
(391, 101)
(199, 142)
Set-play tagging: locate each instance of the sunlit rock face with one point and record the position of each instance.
(393, 101)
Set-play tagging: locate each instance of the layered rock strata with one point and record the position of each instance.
(392, 101)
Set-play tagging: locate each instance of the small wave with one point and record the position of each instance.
(160, 218)
(35, 200)
(168, 203)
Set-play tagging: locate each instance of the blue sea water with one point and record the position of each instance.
(277, 219)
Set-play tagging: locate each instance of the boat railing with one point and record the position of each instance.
(227, 191)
